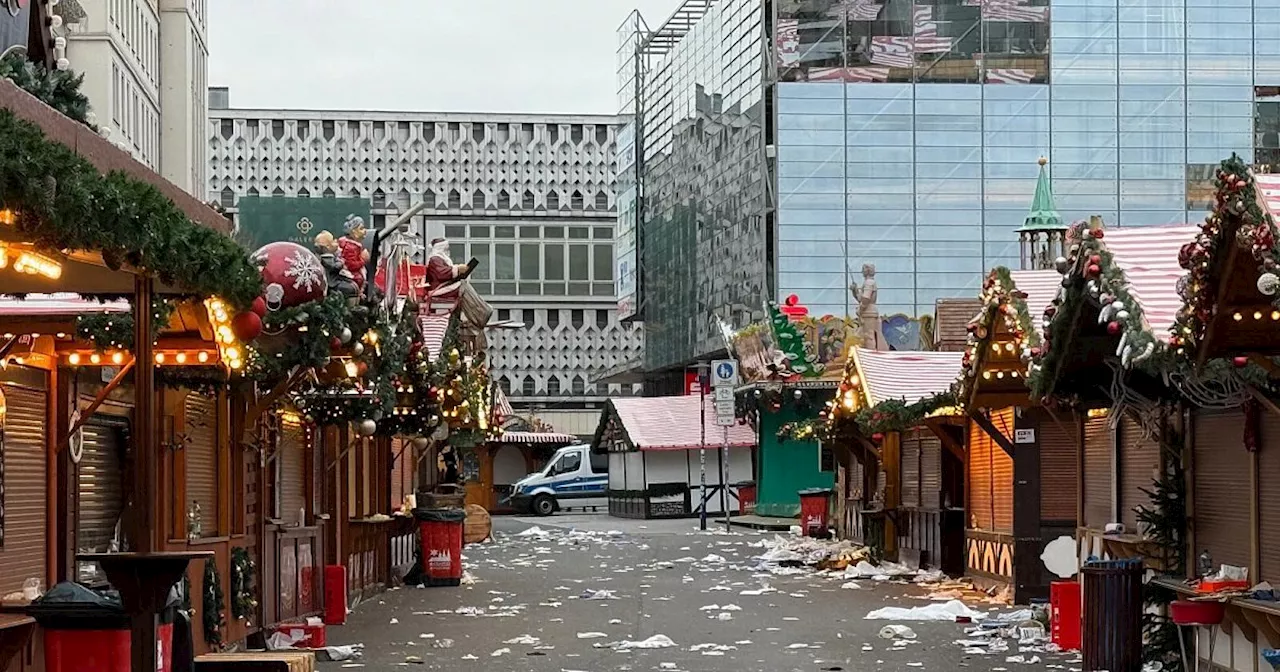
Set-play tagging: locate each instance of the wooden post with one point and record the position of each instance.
(141, 533)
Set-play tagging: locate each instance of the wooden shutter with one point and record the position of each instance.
(909, 470)
(201, 429)
(402, 454)
(1098, 455)
(1058, 470)
(22, 553)
(291, 471)
(991, 476)
(1139, 465)
(1221, 488)
(1269, 498)
(930, 471)
(100, 489)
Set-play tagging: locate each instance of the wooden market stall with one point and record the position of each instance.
(1103, 333)
(1014, 444)
(507, 458)
(904, 399)
(131, 234)
(652, 445)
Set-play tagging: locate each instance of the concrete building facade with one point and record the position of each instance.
(532, 197)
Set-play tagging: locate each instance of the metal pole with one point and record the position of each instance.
(724, 479)
(702, 454)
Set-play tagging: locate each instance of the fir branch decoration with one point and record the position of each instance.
(243, 603)
(61, 202)
(59, 89)
(213, 616)
(115, 330)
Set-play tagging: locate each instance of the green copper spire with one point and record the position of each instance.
(1044, 215)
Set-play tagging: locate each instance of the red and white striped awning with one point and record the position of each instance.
(501, 406)
(1040, 287)
(1269, 186)
(673, 423)
(538, 437)
(1148, 256)
(40, 305)
(888, 374)
(434, 326)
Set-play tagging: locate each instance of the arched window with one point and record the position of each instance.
(553, 385)
(528, 387)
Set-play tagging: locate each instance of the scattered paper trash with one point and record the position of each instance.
(500, 652)
(394, 621)
(591, 635)
(526, 640)
(897, 632)
(654, 642)
(943, 611)
(334, 654)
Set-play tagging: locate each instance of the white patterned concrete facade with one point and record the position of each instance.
(145, 65)
(530, 196)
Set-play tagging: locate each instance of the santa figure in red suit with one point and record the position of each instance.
(444, 278)
(354, 253)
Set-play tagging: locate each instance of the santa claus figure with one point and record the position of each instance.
(354, 253)
(444, 278)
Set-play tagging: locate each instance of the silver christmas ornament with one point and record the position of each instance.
(345, 335)
(366, 427)
(1062, 265)
(357, 349)
(1268, 283)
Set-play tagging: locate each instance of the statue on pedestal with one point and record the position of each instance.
(869, 327)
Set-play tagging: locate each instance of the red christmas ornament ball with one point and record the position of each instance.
(291, 274)
(335, 343)
(1113, 328)
(1098, 234)
(246, 326)
(1094, 269)
(259, 306)
(877, 437)
(1240, 362)
(1095, 259)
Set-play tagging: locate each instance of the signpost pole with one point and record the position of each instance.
(724, 380)
(724, 479)
(702, 453)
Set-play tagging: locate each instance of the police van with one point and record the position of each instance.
(574, 478)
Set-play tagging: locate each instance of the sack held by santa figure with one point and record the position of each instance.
(354, 253)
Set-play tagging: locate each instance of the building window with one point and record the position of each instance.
(1266, 127)
(504, 200)
(602, 200)
(553, 200)
(455, 199)
(553, 319)
(577, 318)
(527, 386)
(505, 383)
(575, 200)
(579, 385)
(553, 385)
(504, 314)
(530, 263)
(553, 261)
(602, 319)
(526, 201)
(1200, 187)
(477, 200)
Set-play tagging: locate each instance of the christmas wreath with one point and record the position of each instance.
(62, 202)
(243, 603)
(213, 616)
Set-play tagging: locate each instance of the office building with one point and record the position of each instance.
(529, 196)
(906, 134)
(145, 66)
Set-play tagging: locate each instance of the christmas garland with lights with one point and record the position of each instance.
(114, 331)
(61, 202)
(59, 89)
(243, 603)
(1091, 274)
(890, 415)
(1236, 217)
(311, 332)
(1000, 297)
(213, 618)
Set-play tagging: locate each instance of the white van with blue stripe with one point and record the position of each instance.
(574, 478)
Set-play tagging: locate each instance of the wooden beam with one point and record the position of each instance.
(98, 400)
(1001, 440)
(1263, 399)
(870, 447)
(943, 431)
(263, 403)
(1224, 277)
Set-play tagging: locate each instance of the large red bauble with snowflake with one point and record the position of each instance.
(291, 275)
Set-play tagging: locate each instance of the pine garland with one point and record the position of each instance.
(1001, 299)
(59, 89)
(62, 202)
(213, 616)
(243, 603)
(114, 331)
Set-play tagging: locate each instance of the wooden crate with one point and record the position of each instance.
(257, 661)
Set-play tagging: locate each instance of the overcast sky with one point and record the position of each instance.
(422, 55)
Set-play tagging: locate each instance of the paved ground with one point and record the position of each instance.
(528, 609)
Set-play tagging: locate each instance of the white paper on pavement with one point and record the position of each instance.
(944, 611)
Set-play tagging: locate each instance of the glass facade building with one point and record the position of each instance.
(905, 134)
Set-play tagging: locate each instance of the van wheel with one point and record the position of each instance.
(544, 505)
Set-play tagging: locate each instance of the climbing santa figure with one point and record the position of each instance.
(354, 254)
(447, 286)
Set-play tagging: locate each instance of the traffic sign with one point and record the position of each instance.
(724, 373)
(725, 415)
(724, 393)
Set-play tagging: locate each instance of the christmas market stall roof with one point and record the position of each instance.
(538, 438)
(1232, 289)
(909, 376)
(1003, 337)
(1118, 306)
(669, 423)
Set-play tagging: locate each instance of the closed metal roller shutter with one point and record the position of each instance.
(402, 454)
(1221, 496)
(1139, 459)
(291, 471)
(991, 476)
(1058, 470)
(930, 471)
(22, 554)
(100, 488)
(1098, 454)
(201, 428)
(910, 470)
(1269, 497)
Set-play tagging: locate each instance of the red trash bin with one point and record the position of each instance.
(814, 504)
(85, 631)
(335, 595)
(1064, 614)
(440, 536)
(746, 497)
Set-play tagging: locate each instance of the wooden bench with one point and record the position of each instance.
(257, 661)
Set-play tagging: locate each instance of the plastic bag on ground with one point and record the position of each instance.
(897, 632)
(943, 611)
